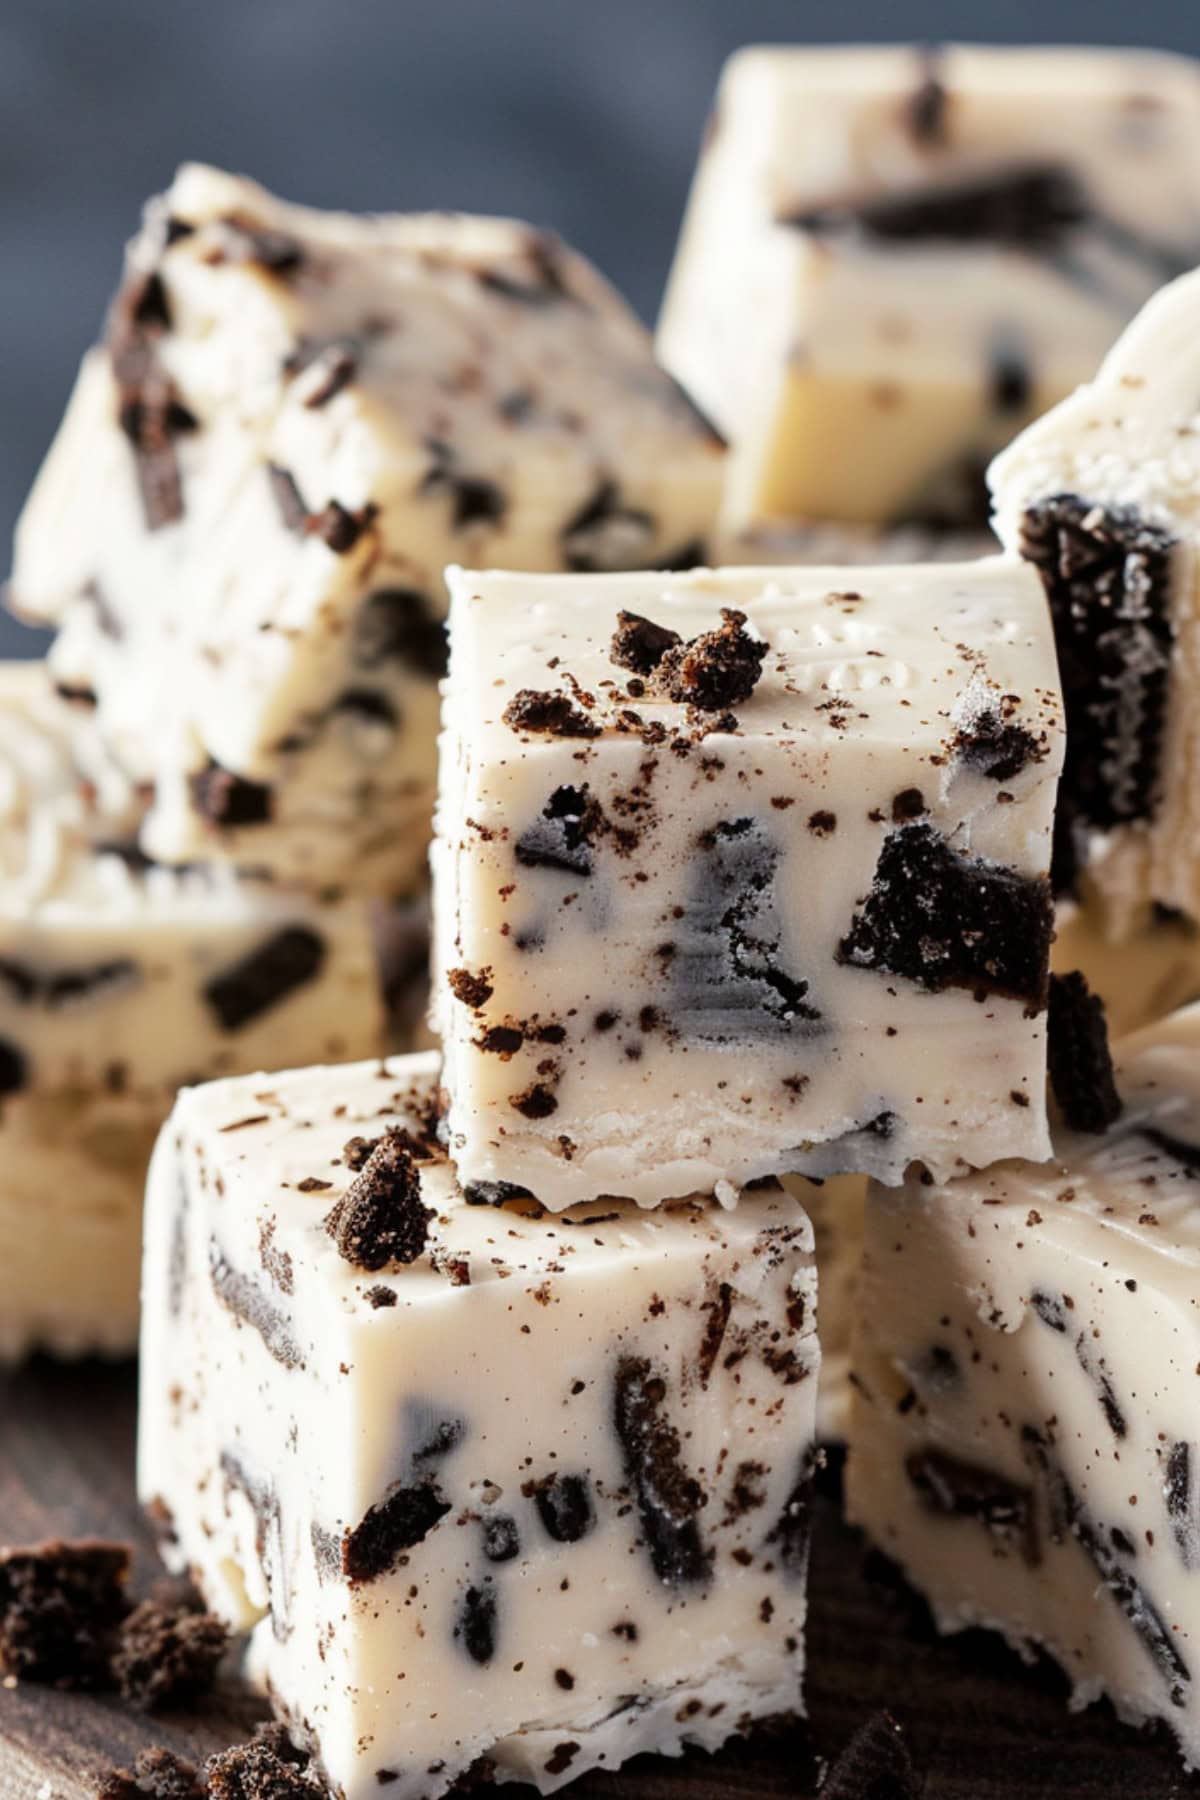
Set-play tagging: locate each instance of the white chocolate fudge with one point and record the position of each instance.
(893, 259)
(298, 418)
(1024, 1433)
(1103, 497)
(118, 982)
(489, 1488)
(835, 1209)
(743, 871)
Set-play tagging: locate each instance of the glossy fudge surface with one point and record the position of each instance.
(1101, 496)
(490, 1488)
(683, 944)
(1023, 1436)
(933, 248)
(296, 420)
(118, 981)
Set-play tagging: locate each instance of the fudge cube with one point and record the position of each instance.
(297, 419)
(1023, 1437)
(744, 871)
(1101, 497)
(492, 1489)
(118, 981)
(932, 247)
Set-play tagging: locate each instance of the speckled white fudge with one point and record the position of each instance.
(682, 944)
(893, 259)
(297, 420)
(488, 1487)
(1103, 497)
(119, 981)
(1024, 1439)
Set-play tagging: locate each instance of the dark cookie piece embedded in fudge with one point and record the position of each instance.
(473, 497)
(1069, 1516)
(14, 1069)
(964, 1490)
(541, 278)
(993, 743)
(639, 644)
(224, 798)
(875, 1765)
(1053, 1311)
(155, 1775)
(265, 976)
(604, 534)
(253, 1307)
(1031, 208)
(535, 709)
(727, 982)
(669, 1500)
(1181, 1504)
(501, 1539)
(717, 669)
(150, 412)
(494, 1193)
(473, 990)
(166, 1655)
(943, 920)
(1107, 576)
(256, 1771)
(791, 1534)
(60, 1603)
(398, 624)
(395, 1524)
(246, 241)
(563, 836)
(475, 1627)
(1078, 1057)
(1010, 379)
(381, 1219)
(338, 528)
(564, 1505)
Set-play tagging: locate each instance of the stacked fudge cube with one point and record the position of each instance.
(294, 421)
(481, 1390)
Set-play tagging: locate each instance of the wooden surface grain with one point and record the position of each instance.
(981, 1725)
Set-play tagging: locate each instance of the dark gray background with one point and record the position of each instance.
(580, 114)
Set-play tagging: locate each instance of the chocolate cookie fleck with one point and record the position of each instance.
(533, 709)
(639, 644)
(717, 669)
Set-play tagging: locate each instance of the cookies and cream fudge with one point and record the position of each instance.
(1103, 498)
(835, 1211)
(744, 871)
(120, 980)
(894, 258)
(296, 420)
(490, 1488)
(1024, 1431)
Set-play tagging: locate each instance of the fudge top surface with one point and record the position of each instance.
(1131, 437)
(1139, 1180)
(876, 656)
(480, 334)
(810, 126)
(282, 1150)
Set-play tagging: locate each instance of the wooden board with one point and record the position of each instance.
(980, 1724)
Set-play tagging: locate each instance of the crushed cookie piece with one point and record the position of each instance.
(1078, 1057)
(380, 1219)
(533, 709)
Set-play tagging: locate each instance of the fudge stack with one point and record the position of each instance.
(294, 422)
(479, 1387)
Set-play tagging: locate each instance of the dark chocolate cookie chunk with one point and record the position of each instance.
(605, 534)
(155, 1775)
(962, 1490)
(166, 1655)
(562, 838)
(1107, 576)
(533, 709)
(1032, 208)
(224, 798)
(406, 1516)
(943, 920)
(60, 1603)
(639, 644)
(397, 624)
(476, 1627)
(717, 669)
(1078, 1057)
(381, 1219)
(265, 976)
(564, 1504)
(669, 1500)
(254, 1771)
(14, 1069)
(875, 1765)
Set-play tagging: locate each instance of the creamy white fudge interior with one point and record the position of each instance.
(1103, 497)
(120, 980)
(835, 1210)
(296, 420)
(681, 944)
(932, 247)
(1023, 1437)
(490, 1488)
